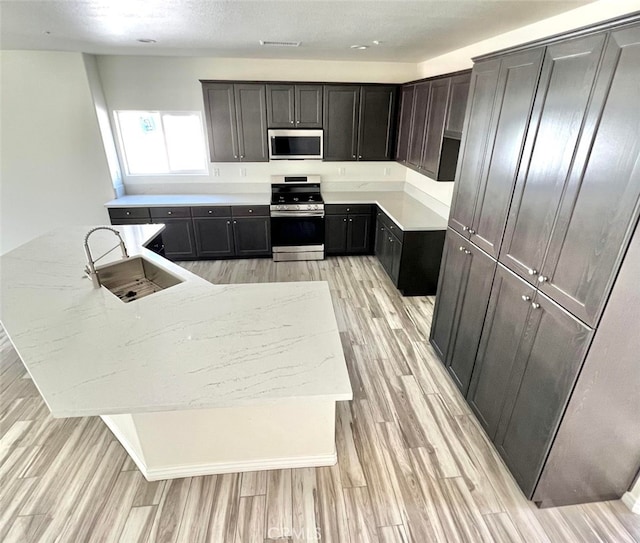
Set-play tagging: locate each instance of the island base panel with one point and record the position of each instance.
(175, 444)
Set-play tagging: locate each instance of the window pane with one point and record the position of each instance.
(143, 142)
(185, 142)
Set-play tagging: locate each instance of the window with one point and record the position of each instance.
(158, 142)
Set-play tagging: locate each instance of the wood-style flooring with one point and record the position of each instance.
(413, 464)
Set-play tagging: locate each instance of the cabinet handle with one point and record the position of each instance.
(359, 156)
(526, 298)
(235, 222)
(348, 209)
(350, 220)
(297, 122)
(465, 228)
(354, 156)
(467, 252)
(391, 240)
(471, 231)
(531, 271)
(210, 212)
(241, 156)
(291, 122)
(228, 222)
(251, 211)
(128, 212)
(235, 156)
(169, 212)
(535, 305)
(462, 248)
(345, 220)
(542, 279)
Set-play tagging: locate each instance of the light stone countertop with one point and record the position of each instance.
(193, 345)
(407, 212)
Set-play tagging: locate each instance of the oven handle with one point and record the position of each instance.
(294, 214)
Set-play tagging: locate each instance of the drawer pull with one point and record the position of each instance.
(526, 298)
(210, 212)
(535, 305)
(169, 212)
(128, 212)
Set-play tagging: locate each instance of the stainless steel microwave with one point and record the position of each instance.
(295, 144)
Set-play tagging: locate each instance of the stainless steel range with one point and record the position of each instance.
(297, 218)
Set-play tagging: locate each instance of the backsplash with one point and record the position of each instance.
(256, 177)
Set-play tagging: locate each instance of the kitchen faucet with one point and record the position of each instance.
(90, 269)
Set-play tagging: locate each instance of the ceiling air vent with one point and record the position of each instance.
(280, 43)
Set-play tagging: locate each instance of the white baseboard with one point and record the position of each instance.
(178, 472)
(632, 499)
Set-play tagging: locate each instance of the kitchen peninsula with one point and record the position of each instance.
(194, 379)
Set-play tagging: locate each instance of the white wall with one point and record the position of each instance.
(460, 59)
(53, 168)
(172, 83)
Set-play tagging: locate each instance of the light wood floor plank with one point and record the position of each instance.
(253, 483)
(251, 519)
(138, 523)
(362, 524)
(197, 511)
(166, 524)
(279, 504)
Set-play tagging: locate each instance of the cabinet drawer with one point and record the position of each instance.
(343, 209)
(129, 212)
(250, 211)
(170, 212)
(211, 211)
(391, 226)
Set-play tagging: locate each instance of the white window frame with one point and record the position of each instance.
(123, 153)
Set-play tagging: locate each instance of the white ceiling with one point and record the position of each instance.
(410, 31)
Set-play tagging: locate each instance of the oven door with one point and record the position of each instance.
(297, 232)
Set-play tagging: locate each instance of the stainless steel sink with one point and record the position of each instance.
(134, 278)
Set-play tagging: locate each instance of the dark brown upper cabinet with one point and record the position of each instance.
(236, 116)
(430, 125)
(501, 100)
(404, 123)
(359, 122)
(457, 106)
(577, 197)
(294, 106)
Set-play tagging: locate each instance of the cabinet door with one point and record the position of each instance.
(335, 234)
(251, 114)
(379, 240)
(473, 297)
(504, 325)
(308, 106)
(395, 258)
(601, 202)
(214, 237)
(252, 236)
(457, 105)
(550, 356)
(359, 234)
(376, 122)
(569, 70)
(280, 106)
(484, 80)
(454, 267)
(438, 99)
(220, 110)
(404, 127)
(516, 90)
(341, 105)
(178, 238)
(419, 123)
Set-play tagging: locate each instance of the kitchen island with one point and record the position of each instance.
(193, 380)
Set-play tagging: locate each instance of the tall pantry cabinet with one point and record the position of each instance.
(548, 191)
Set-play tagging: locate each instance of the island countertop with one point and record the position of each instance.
(193, 345)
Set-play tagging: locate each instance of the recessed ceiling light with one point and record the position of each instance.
(361, 47)
(377, 42)
(146, 40)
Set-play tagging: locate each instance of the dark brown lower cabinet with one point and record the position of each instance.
(467, 274)
(178, 239)
(348, 229)
(411, 259)
(547, 363)
(214, 237)
(504, 325)
(252, 236)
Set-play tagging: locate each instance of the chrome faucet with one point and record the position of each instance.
(90, 269)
